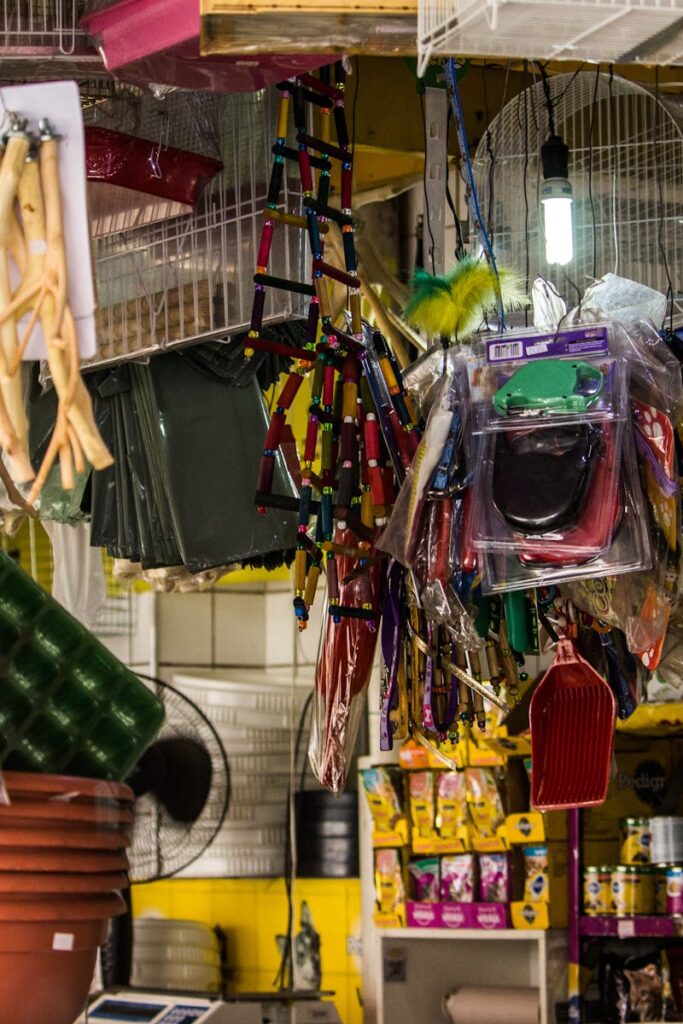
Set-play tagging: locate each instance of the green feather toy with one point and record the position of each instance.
(455, 304)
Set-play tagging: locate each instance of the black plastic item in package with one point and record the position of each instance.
(210, 436)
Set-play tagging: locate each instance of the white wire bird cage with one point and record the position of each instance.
(626, 171)
(593, 30)
(180, 279)
(41, 28)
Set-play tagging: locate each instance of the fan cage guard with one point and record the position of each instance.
(626, 177)
(161, 846)
(188, 278)
(42, 28)
(594, 30)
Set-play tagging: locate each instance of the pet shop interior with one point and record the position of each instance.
(341, 448)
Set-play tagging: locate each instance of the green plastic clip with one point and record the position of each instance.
(551, 385)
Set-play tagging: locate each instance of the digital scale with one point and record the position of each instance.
(259, 1008)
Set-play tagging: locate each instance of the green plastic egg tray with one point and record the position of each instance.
(67, 705)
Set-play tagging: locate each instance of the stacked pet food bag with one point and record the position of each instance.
(448, 854)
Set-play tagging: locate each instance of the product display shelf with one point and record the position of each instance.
(656, 719)
(641, 926)
(407, 971)
(463, 934)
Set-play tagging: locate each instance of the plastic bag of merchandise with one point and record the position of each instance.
(619, 298)
(343, 671)
(444, 432)
(666, 684)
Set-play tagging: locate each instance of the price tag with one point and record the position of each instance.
(626, 929)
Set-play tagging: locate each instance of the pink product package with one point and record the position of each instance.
(458, 878)
(494, 877)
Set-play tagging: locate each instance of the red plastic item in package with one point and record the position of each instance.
(342, 674)
(144, 166)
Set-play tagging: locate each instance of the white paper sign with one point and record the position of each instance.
(60, 104)
(63, 942)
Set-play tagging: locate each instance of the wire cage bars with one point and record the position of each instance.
(35, 28)
(594, 30)
(180, 279)
(626, 171)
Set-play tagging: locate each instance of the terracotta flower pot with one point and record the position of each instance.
(46, 969)
(16, 883)
(61, 908)
(39, 936)
(63, 837)
(67, 785)
(43, 812)
(81, 861)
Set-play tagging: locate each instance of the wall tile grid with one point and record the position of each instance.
(254, 911)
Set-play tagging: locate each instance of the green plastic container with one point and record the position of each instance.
(67, 705)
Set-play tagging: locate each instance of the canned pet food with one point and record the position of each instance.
(669, 890)
(660, 888)
(632, 890)
(636, 840)
(645, 890)
(596, 891)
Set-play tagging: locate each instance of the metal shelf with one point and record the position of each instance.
(640, 926)
(465, 934)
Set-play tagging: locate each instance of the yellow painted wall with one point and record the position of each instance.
(254, 910)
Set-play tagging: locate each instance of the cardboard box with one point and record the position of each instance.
(538, 916)
(459, 843)
(646, 783)
(536, 827)
(398, 836)
(483, 916)
(382, 920)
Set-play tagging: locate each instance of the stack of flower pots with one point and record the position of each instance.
(63, 864)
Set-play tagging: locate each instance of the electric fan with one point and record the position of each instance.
(182, 789)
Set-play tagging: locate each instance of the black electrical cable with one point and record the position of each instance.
(591, 130)
(660, 193)
(460, 241)
(491, 156)
(548, 99)
(558, 99)
(284, 977)
(424, 188)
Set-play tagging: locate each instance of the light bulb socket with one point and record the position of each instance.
(555, 188)
(555, 158)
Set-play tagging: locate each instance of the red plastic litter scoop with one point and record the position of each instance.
(572, 716)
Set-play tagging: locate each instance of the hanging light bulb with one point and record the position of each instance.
(556, 199)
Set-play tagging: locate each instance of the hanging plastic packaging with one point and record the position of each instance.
(629, 552)
(343, 672)
(445, 430)
(557, 378)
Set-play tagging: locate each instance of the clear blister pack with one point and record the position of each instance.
(559, 377)
(549, 494)
(629, 552)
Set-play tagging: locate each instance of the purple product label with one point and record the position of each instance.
(520, 348)
(422, 915)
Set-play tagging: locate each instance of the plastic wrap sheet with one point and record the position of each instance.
(115, 158)
(342, 676)
(210, 438)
